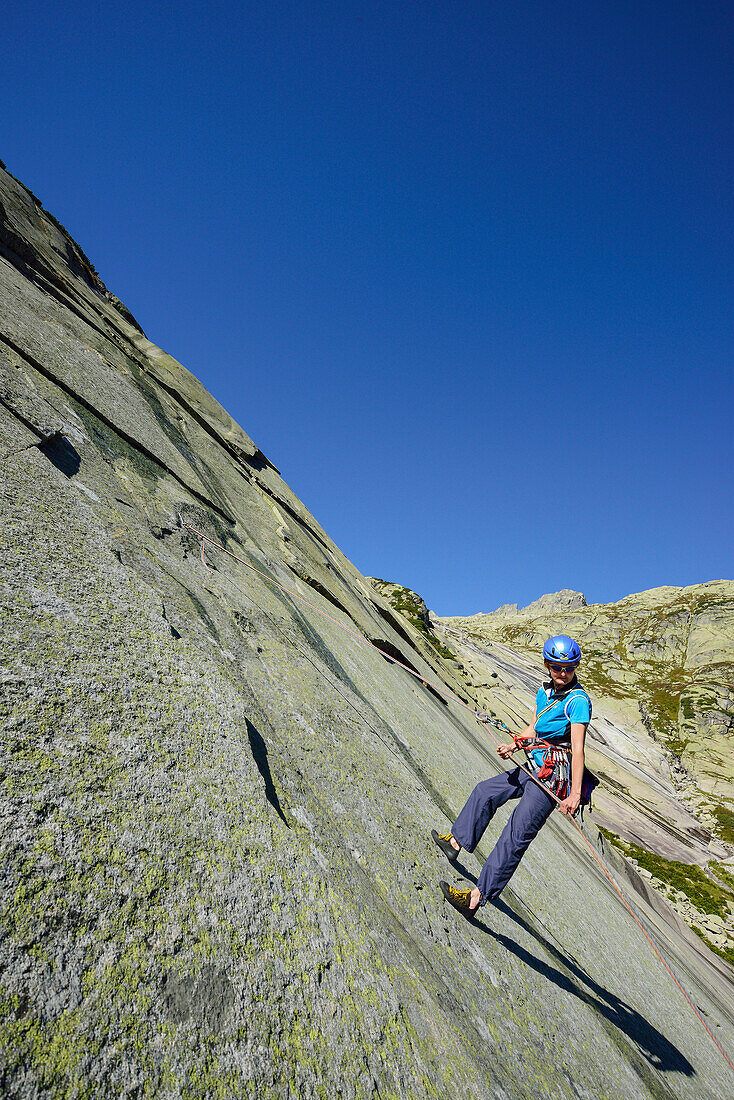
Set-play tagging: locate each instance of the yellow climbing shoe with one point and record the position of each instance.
(444, 842)
(460, 899)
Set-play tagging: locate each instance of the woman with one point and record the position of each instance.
(561, 716)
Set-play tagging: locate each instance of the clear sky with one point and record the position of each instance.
(463, 270)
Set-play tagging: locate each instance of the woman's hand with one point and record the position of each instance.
(506, 751)
(570, 805)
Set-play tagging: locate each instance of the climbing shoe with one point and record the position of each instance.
(444, 842)
(460, 900)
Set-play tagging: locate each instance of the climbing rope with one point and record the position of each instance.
(486, 721)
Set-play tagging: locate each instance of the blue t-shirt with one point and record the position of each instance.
(573, 705)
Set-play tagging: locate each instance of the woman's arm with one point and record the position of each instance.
(571, 804)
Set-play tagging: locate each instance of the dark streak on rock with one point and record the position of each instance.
(130, 440)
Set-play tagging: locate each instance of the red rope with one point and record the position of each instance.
(484, 720)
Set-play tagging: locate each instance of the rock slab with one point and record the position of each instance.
(217, 874)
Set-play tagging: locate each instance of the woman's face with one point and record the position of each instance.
(561, 675)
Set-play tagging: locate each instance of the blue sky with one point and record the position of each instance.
(463, 270)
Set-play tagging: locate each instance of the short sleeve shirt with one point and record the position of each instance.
(570, 706)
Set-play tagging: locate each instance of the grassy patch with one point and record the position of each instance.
(725, 821)
(663, 700)
(412, 608)
(707, 896)
(595, 678)
(676, 745)
(723, 874)
(705, 602)
(441, 649)
(687, 710)
(408, 604)
(725, 953)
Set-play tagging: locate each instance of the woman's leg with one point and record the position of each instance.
(526, 821)
(483, 802)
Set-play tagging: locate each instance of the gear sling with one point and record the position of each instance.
(554, 770)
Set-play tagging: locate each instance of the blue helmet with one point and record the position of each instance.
(562, 650)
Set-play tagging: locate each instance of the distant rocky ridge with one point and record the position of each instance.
(553, 602)
(217, 874)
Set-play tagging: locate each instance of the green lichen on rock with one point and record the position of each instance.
(725, 817)
(218, 878)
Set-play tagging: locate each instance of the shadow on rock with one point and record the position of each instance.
(260, 756)
(655, 1047)
(464, 871)
(61, 454)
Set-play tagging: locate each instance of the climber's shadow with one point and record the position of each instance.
(260, 756)
(464, 871)
(653, 1045)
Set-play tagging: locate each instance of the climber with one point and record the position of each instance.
(556, 731)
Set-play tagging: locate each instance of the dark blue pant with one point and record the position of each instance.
(528, 817)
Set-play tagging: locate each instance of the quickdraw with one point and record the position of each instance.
(554, 772)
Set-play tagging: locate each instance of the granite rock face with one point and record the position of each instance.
(217, 875)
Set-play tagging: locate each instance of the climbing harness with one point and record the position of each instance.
(553, 759)
(487, 721)
(554, 771)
